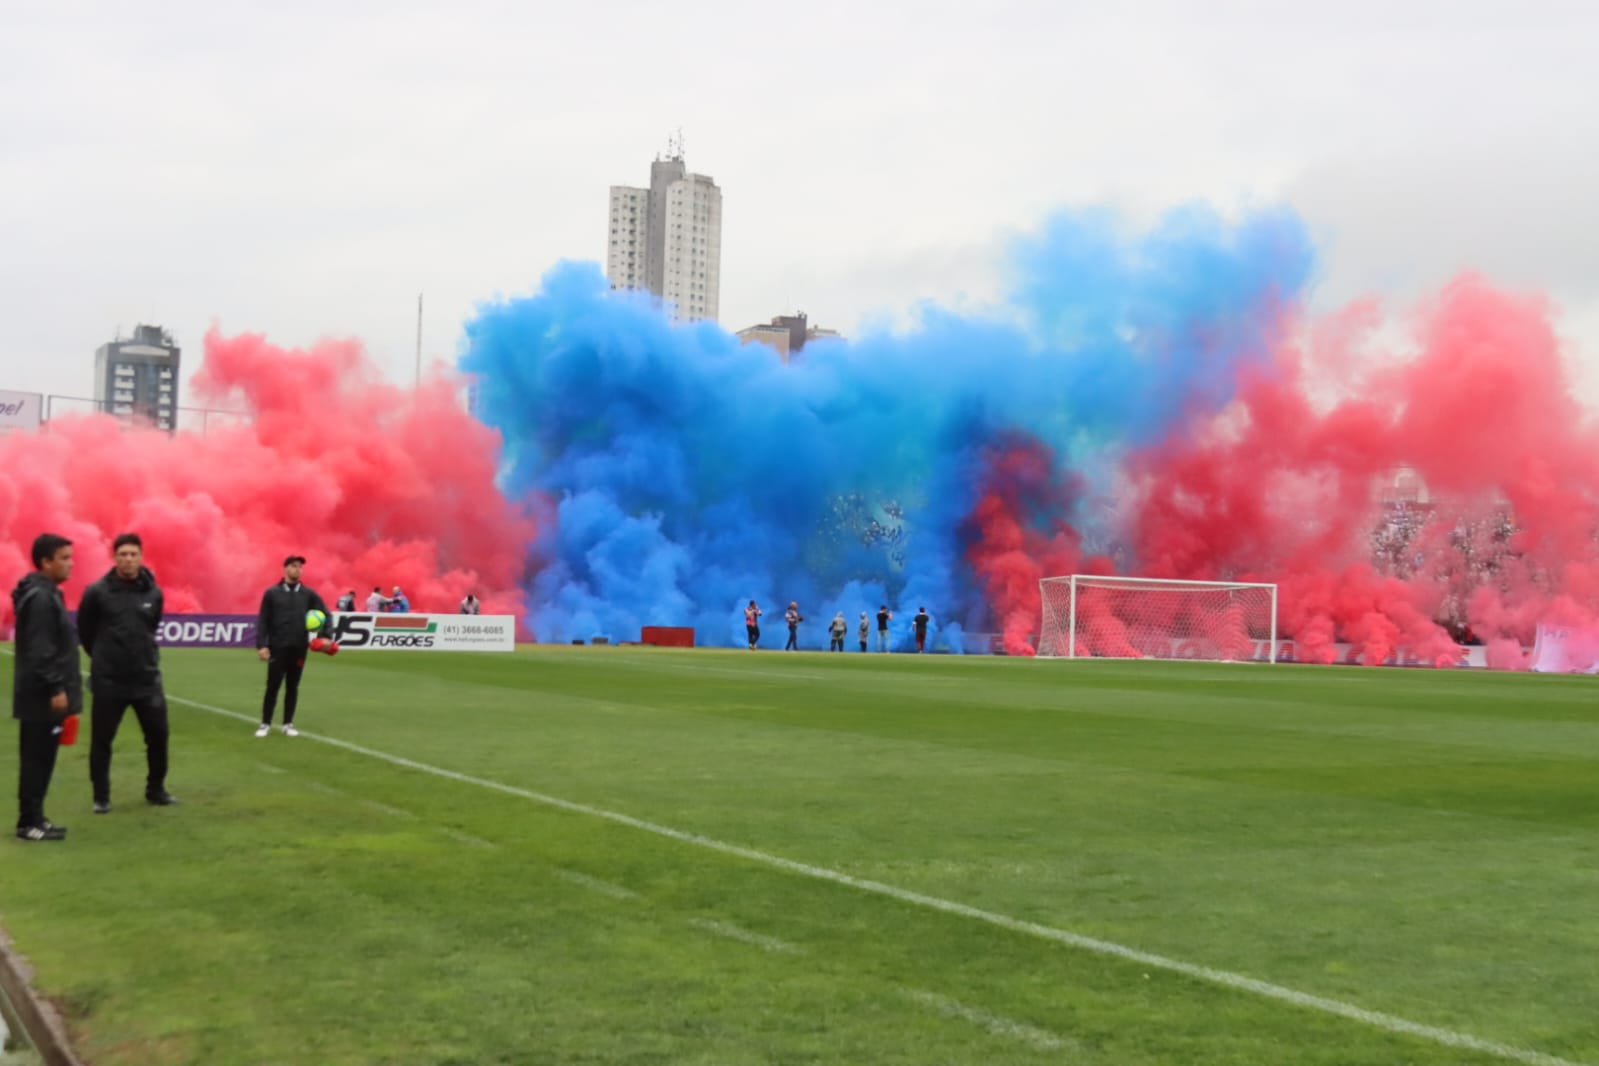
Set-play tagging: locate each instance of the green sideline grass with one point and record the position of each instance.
(1420, 844)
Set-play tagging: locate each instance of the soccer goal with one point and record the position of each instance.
(1143, 617)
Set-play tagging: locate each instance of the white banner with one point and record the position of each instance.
(1343, 654)
(1565, 650)
(425, 632)
(20, 410)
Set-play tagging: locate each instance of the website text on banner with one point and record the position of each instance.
(425, 632)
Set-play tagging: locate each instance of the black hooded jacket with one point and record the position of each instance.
(47, 652)
(117, 623)
(281, 623)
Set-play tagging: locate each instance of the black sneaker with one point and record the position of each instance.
(160, 799)
(102, 806)
(43, 831)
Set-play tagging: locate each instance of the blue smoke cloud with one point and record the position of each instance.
(679, 474)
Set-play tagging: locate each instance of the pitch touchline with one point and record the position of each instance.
(1376, 1019)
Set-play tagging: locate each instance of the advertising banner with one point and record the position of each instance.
(206, 631)
(20, 410)
(1344, 654)
(202, 630)
(367, 632)
(425, 632)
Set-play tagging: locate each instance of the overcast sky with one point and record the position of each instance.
(306, 169)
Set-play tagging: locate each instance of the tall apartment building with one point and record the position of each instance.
(136, 378)
(667, 239)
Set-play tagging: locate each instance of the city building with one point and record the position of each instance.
(136, 378)
(667, 239)
(787, 334)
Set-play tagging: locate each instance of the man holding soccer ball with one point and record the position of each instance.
(290, 613)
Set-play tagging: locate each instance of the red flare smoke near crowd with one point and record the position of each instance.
(1487, 529)
(375, 485)
(1286, 485)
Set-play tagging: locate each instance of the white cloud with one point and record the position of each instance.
(306, 169)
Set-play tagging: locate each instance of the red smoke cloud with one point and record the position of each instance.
(1277, 489)
(1015, 539)
(1280, 487)
(375, 485)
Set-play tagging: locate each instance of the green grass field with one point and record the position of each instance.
(725, 858)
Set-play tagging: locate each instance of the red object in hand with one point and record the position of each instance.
(317, 643)
(69, 731)
(332, 648)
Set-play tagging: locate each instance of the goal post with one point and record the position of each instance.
(1089, 616)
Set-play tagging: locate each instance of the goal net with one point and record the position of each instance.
(1140, 617)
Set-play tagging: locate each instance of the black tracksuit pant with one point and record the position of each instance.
(37, 744)
(105, 718)
(283, 671)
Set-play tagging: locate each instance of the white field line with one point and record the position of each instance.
(269, 768)
(467, 838)
(729, 671)
(1041, 1039)
(384, 808)
(1376, 1019)
(745, 936)
(595, 884)
(371, 805)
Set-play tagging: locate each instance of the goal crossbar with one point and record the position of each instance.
(1097, 579)
(1138, 617)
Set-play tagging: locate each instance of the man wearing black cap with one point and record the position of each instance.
(282, 641)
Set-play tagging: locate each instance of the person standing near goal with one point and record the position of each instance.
(793, 618)
(752, 623)
(884, 616)
(836, 630)
(282, 642)
(920, 622)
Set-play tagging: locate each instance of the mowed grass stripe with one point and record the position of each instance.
(468, 903)
(1416, 853)
(1375, 1018)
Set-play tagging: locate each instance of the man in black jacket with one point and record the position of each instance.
(46, 688)
(283, 640)
(117, 622)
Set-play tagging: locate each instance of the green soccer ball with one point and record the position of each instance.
(315, 620)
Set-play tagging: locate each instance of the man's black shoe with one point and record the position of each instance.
(44, 831)
(160, 799)
(102, 806)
